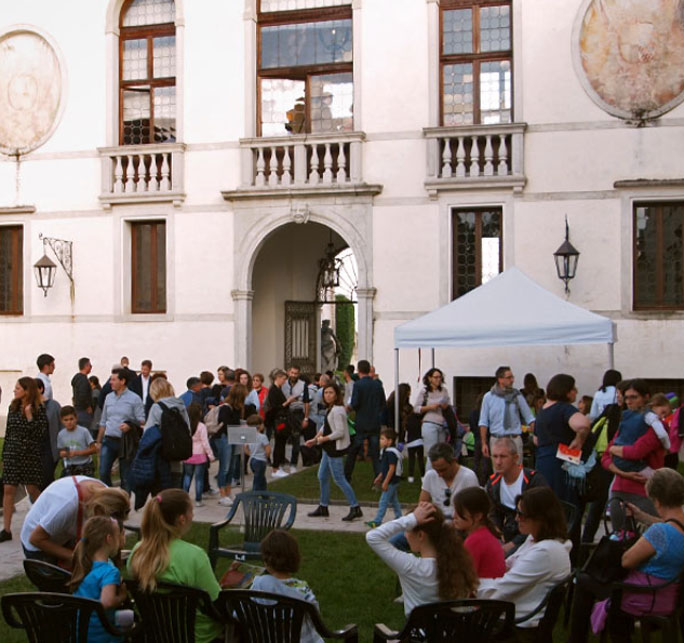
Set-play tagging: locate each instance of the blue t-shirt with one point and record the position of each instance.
(389, 458)
(668, 543)
(101, 575)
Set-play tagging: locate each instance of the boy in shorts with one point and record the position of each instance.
(76, 445)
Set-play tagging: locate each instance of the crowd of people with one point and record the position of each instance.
(546, 466)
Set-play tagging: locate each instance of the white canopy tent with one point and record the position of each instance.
(509, 310)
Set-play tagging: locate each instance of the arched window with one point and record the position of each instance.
(147, 72)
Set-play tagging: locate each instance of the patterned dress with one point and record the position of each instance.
(22, 452)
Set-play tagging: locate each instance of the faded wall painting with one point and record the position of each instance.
(30, 91)
(631, 55)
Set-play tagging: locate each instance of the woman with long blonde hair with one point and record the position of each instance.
(162, 555)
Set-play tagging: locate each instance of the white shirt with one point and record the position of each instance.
(145, 386)
(47, 394)
(418, 576)
(601, 400)
(56, 511)
(509, 492)
(436, 487)
(530, 573)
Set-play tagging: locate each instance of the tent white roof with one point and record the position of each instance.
(509, 310)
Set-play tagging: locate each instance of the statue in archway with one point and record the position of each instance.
(330, 348)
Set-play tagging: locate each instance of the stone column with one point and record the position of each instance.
(365, 311)
(243, 327)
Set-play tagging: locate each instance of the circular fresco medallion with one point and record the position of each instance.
(31, 84)
(629, 55)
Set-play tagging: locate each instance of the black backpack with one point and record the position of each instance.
(175, 433)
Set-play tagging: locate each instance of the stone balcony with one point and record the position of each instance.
(302, 165)
(475, 157)
(142, 174)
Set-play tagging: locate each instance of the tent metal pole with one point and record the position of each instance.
(433, 357)
(397, 419)
(611, 355)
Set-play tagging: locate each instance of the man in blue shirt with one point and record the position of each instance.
(122, 409)
(368, 400)
(194, 385)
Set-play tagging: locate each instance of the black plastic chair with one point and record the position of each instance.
(448, 621)
(49, 617)
(669, 625)
(169, 612)
(262, 617)
(551, 604)
(47, 577)
(264, 511)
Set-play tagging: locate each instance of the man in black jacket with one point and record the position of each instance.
(81, 393)
(507, 482)
(368, 400)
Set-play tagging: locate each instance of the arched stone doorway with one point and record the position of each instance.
(276, 256)
(286, 318)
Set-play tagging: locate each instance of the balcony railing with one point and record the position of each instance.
(138, 173)
(331, 161)
(479, 156)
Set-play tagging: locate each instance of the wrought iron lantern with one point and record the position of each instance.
(45, 269)
(566, 258)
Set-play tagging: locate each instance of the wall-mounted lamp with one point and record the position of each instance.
(566, 258)
(45, 269)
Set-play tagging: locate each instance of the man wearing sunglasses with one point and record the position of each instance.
(446, 478)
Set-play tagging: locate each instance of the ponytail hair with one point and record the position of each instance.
(158, 528)
(456, 577)
(474, 500)
(95, 532)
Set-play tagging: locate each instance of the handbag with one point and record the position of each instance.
(605, 563)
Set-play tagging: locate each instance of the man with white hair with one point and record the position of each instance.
(507, 482)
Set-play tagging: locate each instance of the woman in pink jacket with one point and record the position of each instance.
(201, 454)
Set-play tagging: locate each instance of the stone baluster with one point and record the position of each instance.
(118, 175)
(502, 170)
(153, 183)
(130, 175)
(301, 166)
(474, 158)
(489, 157)
(165, 173)
(341, 165)
(273, 167)
(327, 165)
(460, 158)
(446, 159)
(286, 178)
(314, 175)
(260, 179)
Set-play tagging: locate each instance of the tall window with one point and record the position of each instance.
(476, 58)
(477, 248)
(658, 255)
(147, 72)
(305, 71)
(11, 270)
(148, 267)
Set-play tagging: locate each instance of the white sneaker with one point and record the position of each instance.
(226, 501)
(293, 469)
(280, 473)
(199, 503)
(211, 492)
(411, 479)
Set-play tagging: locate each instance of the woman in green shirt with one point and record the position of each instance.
(161, 555)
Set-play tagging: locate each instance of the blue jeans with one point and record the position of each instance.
(198, 471)
(259, 469)
(335, 467)
(235, 462)
(224, 452)
(108, 456)
(357, 447)
(387, 498)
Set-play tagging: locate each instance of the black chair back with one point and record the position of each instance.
(264, 512)
(168, 613)
(464, 620)
(263, 617)
(47, 577)
(49, 617)
(551, 605)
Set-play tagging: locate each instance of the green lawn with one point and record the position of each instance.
(304, 486)
(351, 584)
